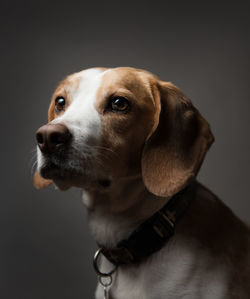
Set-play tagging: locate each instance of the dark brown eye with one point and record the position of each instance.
(120, 104)
(59, 104)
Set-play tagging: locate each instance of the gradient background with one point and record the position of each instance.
(46, 250)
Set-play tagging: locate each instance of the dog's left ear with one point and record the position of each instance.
(39, 182)
(177, 144)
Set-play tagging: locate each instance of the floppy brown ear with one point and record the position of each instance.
(40, 182)
(176, 147)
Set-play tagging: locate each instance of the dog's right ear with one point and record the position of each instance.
(39, 182)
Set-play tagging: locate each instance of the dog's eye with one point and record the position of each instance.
(120, 104)
(59, 104)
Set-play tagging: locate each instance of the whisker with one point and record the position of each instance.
(33, 167)
(96, 147)
(105, 148)
(32, 160)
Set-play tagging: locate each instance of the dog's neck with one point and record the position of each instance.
(115, 213)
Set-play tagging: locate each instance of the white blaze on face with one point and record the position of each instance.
(81, 117)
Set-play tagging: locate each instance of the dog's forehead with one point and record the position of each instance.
(99, 82)
(82, 79)
(86, 81)
(108, 78)
(124, 79)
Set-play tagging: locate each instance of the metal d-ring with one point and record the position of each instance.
(96, 267)
(106, 283)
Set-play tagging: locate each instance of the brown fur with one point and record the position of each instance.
(65, 90)
(176, 148)
(121, 132)
(39, 182)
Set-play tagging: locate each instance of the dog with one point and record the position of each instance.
(133, 143)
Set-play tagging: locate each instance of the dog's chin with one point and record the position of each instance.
(64, 179)
(62, 184)
(89, 184)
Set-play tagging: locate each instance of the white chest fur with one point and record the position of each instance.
(179, 270)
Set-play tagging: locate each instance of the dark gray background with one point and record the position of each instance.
(46, 250)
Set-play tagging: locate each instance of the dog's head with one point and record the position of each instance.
(106, 124)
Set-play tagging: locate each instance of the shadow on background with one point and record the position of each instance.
(46, 250)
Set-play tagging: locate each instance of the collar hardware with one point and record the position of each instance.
(96, 265)
(152, 234)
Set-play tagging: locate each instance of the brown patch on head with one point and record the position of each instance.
(65, 89)
(125, 133)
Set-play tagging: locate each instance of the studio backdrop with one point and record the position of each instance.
(202, 47)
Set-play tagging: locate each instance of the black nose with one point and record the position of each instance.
(52, 137)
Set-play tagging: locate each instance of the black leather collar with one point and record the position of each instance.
(152, 234)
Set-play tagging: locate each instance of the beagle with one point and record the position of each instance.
(133, 142)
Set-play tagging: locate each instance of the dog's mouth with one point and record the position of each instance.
(59, 166)
(67, 173)
(53, 171)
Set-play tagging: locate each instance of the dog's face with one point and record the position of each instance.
(106, 124)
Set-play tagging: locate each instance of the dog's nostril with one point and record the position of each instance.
(59, 137)
(39, 138)
(56, 138)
